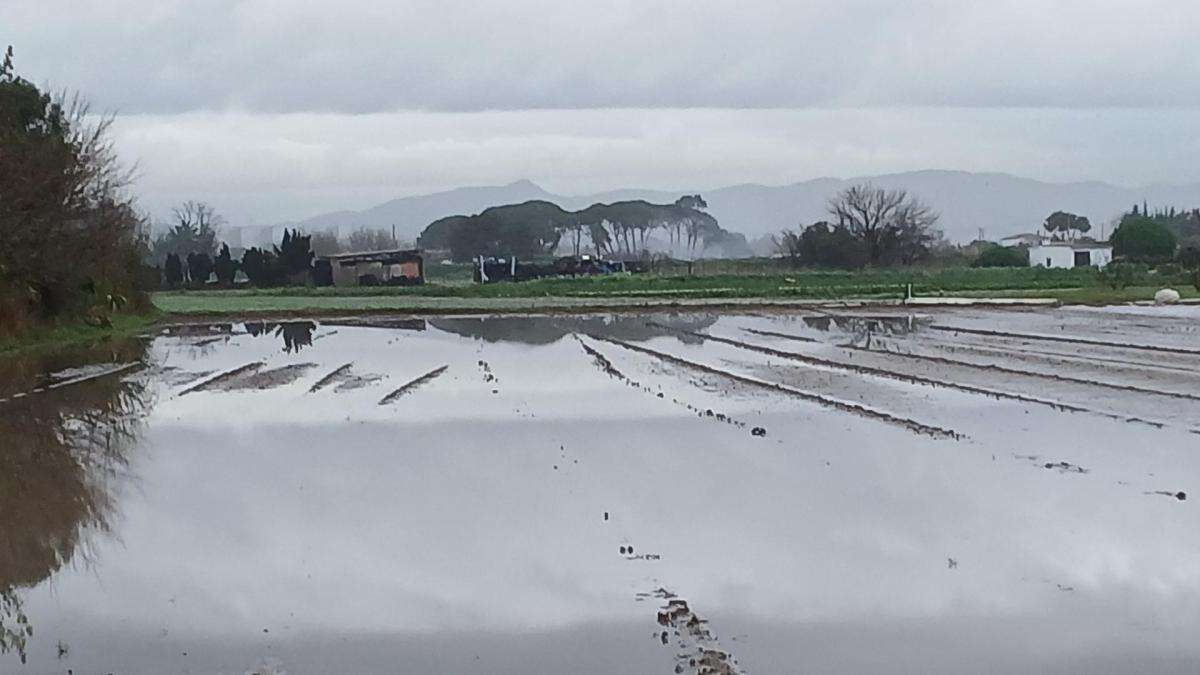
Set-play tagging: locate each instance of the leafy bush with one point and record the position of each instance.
(1189, 253)
(996, 255)
(70, 235)
(1119, 275)
(1139, 238)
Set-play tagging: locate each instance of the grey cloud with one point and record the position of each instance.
(362, 56)
(266, 168)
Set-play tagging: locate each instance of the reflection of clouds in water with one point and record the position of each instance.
(64, 452)
(442, 516)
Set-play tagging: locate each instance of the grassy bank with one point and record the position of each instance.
(68, 334)
(621, 291)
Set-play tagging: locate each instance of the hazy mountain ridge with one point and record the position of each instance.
(1001, 204)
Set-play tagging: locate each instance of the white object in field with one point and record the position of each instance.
(1166, 296)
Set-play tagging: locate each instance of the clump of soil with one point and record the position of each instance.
(698, 649)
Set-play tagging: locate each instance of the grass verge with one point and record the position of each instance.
(77, 333)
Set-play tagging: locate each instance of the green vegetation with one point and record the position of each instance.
(996, 255)
(1075, 285)
(536, 228)
(70, 238)
(1067, 224)
(1140, 238)
(68, 333)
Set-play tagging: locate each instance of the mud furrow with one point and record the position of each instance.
(330, 378)
(888, 374)
(1068, 340)
(609, 369)
(427, 377)
(993, 349)
(767, 333)
(995, 368)
(837, 404)
(697, 648)
(916, 379)
(223, 376)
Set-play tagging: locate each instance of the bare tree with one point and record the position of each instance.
(325, 243)
(882, 218)
(364, 239)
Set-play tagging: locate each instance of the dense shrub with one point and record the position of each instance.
(996, 255)
(1188, 254)
(70, 240)
(1139, 238)
(1120, 275)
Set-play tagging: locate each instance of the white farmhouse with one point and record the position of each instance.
(1068, 254)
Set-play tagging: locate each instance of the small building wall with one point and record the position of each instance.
(1063, 257)
(385, 269)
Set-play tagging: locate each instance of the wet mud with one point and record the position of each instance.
(343, 379)
(609, 369)
(905, 377)
(696, 648)
(1160, 349)
(994, 368)
(844, 406)
(413, 385)
(252, 377)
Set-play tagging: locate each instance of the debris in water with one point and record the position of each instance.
(951, 564)
(758, 431)
(1065, 467)
(1181, 496)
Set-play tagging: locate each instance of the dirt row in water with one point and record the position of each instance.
(608, 368)
(1160, 349)
(414, 384)
(989, 367)
(697, 648)
(837, 404)
(931, 382)
(224, 376)
(344, 378)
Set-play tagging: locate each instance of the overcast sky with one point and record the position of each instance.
(274, 109)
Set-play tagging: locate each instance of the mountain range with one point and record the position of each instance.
(995, 204)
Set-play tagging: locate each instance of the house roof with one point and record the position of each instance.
(401, 254)
(1077, 245)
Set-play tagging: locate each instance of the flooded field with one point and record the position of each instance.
(826, 491)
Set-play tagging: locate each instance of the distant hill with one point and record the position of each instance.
(1000, 204)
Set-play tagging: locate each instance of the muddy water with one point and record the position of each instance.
(610, 494)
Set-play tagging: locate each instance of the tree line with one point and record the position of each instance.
(868, 225)
(71, 239)
(290, 262)
(536, 228)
